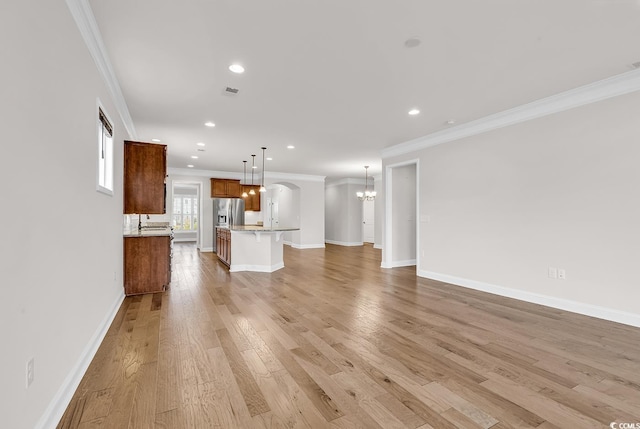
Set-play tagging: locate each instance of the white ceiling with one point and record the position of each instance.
(334, 78)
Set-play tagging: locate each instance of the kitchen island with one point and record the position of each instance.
(255, 248)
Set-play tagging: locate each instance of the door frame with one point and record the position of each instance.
(387, 245)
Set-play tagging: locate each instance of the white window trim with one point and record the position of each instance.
(99, 187)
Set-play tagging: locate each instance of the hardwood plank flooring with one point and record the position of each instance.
(334, 341)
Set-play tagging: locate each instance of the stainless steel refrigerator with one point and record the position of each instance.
(227, 212)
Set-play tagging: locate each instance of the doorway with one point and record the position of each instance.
(368, 221)
(401, 228)
(186, 211)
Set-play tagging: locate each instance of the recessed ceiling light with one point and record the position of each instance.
(414, 112)
(451, 121)
(155, 140)
(236, 68)
(412, 42)
(269, 159)
(291, 146)
(190, 165)
(194, 156)
(200, 144)
(210, 124)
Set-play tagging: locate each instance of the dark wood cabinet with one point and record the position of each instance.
(225, 188)
(252, 202)
(223, 245)
(145, 173)
(147, 264)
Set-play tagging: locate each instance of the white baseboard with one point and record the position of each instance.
(206, 249)
(304, 246)
(405, 263)
(377, 246)
(177, 239)
(258, 268)
(618, 316)
(345, 243)
(52, 415)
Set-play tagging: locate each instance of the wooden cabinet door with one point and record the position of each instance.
(234, 189)
(145, 172)
(225, 188)
(146, 264)
(223, 245)
(218, 188)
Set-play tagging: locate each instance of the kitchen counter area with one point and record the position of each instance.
(149, 232)
(254, 247)
(147, 259)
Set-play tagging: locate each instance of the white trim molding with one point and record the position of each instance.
(52, 415)
(618, 316)
(377, 246)
(387, 234)
(621, 84)
(86, 22)
(345, 243)
(405, 263)
(347, 181)
(238, 176)
(256, 268)
(304, 246)
(206, 249)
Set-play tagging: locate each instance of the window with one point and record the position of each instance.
(105, 153)
(185, 212)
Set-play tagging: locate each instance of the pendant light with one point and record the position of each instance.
(366, 195)
(262, 188)
(253, 166)
(244, 192)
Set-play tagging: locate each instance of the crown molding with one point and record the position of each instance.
(614, 86)
(239, 176)
(203, 173)
(86, 22)
(294, 176)
(347, 181)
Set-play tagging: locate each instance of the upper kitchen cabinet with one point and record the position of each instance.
(145, 172)
(225, 188)
(252, 202)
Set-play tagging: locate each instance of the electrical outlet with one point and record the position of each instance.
(553, 273)
(30, 374)
(562, 274)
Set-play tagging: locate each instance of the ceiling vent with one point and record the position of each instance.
(230, 91)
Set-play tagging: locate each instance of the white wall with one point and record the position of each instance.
(343, 212)
(288, 200)
(62, 240)
(311, 202)
(559, 191)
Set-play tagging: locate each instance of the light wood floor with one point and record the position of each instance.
(332, 340)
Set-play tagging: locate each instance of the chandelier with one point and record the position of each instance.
(367, 195)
